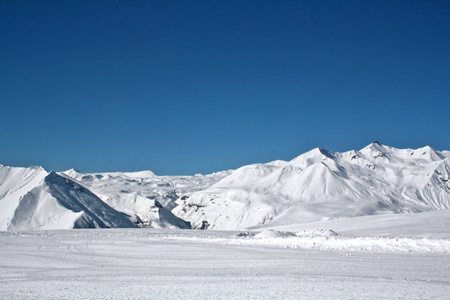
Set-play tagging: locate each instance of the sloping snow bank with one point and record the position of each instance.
(269, 233)
(316, 239)
(366, 244)
(328, 240)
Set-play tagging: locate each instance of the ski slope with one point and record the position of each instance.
(188, 264)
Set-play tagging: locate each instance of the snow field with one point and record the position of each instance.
(175, 264)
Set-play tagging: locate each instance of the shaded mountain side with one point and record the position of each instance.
(36, 199)
(76, 198)
(146, 197)
(316, 186)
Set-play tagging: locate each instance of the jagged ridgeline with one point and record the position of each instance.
(317, 185)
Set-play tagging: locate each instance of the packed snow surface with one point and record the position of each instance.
(193, 264)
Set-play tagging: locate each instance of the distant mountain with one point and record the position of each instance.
(321, 185)
(144, 196)
(316, 186)
(32, 198)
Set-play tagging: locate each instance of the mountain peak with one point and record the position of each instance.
(312, 156)
(375, 145)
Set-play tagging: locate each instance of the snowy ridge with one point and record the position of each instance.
(14, 184)
(32, 198)
(320, 185)
(144, 196)
(317, 186)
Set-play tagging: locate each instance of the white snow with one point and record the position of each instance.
(146, 197)
(14, 184)
(323, 185)
(270, 233)
(32, 198)
(432, 224)
(316, 186)
(187, 264)
(368, 224)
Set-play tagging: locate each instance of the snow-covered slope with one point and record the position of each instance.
(14, 184)
(316, 186)
(32, 198)
(146, 197)
(321, 185)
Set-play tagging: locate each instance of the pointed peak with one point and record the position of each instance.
(431, 152)
(320, 151)
(312, 156)
(376, 146)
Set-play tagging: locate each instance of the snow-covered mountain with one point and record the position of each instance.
(144, 196)
(316, 186)
(321, 185)
(32, 198)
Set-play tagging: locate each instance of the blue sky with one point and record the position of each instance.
(185, 87)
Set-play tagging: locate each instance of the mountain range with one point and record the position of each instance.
(318, 185)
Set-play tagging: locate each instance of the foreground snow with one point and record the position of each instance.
(187, 264)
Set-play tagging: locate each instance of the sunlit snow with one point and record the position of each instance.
(367, 224)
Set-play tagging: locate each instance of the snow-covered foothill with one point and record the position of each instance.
(146, 197)
(317, 186)
(32, 198)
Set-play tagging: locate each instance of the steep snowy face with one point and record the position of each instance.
(321, 185)
(146, 197)
(32, 198)
(14, 184)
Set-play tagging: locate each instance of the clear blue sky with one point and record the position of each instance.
(185, 87)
